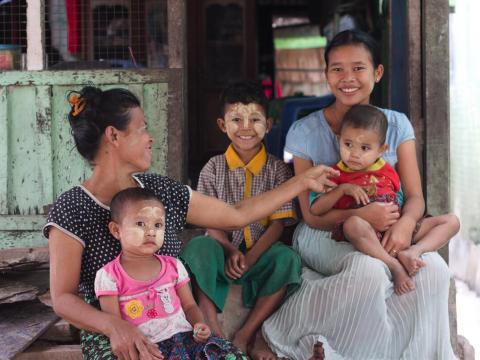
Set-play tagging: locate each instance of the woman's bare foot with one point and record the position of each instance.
(403, 283)
(410, 259)
(241, 341)
(259, 350)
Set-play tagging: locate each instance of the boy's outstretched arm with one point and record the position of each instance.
(209, 212)
(269, 237)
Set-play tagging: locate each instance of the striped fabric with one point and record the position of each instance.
(353, 310)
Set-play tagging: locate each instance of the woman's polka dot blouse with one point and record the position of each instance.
(80, 215)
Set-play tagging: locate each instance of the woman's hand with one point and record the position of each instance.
(128, 342)
(201, 332)
(399, 236)
(317, 178)
(235, 264)
(380, 215)
(355, 191)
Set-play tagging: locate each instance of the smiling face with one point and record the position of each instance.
(141, 230)
(246, 126)
(351, 74)
(360, 148)
(135, 143)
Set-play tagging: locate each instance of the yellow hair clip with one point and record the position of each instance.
(77, 103)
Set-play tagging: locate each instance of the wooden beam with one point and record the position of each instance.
(21, 324)
(176, 33)
(414, 73)
(3, 151)
(35, 35)
(177, 100)
(436, 76)
(436, 105)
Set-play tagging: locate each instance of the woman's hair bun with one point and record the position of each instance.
(93, 110)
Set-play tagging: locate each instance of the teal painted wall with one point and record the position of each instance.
(38, 159)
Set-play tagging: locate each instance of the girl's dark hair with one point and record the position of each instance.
(99, 109)
(133, 194)
(366, 117)
(355, 37)
(244, 92)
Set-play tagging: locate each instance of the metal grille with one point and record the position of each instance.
(92, 34)
(13, 34)
(89, 34)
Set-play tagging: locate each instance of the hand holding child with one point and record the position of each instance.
(201, 332)
(235, 264)
(355, 191)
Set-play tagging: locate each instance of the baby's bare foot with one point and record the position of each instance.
(403, 283)
(411, 261)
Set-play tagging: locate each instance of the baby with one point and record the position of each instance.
(364, 177)
(152, 291)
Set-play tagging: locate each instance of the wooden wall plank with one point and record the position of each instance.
(83, 77)
(22, 222)
(414, 82)
(21, 324)
(437, 111)
(68, 167)
(155, 107)
(178, 141)
(30, 179)
(3, 150)
(21, 239)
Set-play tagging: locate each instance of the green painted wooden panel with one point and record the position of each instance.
(68, 167)
(3, 151)
(38, 159)
(155, 107)
(29, 151)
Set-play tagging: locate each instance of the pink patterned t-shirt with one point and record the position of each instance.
(152, 305)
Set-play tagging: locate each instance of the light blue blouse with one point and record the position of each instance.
(312, 139)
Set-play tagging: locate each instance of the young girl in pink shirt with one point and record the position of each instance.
(151, 291)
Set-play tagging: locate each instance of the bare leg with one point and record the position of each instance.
(263, 308)
(362, 236)
(209, 311)
(260, 349)
(434, 233)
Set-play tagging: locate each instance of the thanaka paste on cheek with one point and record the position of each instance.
(151, 215)
(246, 113)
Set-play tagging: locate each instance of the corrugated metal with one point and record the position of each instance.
(38, 160)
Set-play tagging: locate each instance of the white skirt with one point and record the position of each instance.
(348, 303)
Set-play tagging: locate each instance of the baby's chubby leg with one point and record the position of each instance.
(434, 233)
(363, 237)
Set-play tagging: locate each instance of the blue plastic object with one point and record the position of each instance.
(293, 108)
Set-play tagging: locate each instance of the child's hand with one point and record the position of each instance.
(317, 178)
(356, 192)
(201, 332)
(235, 265)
